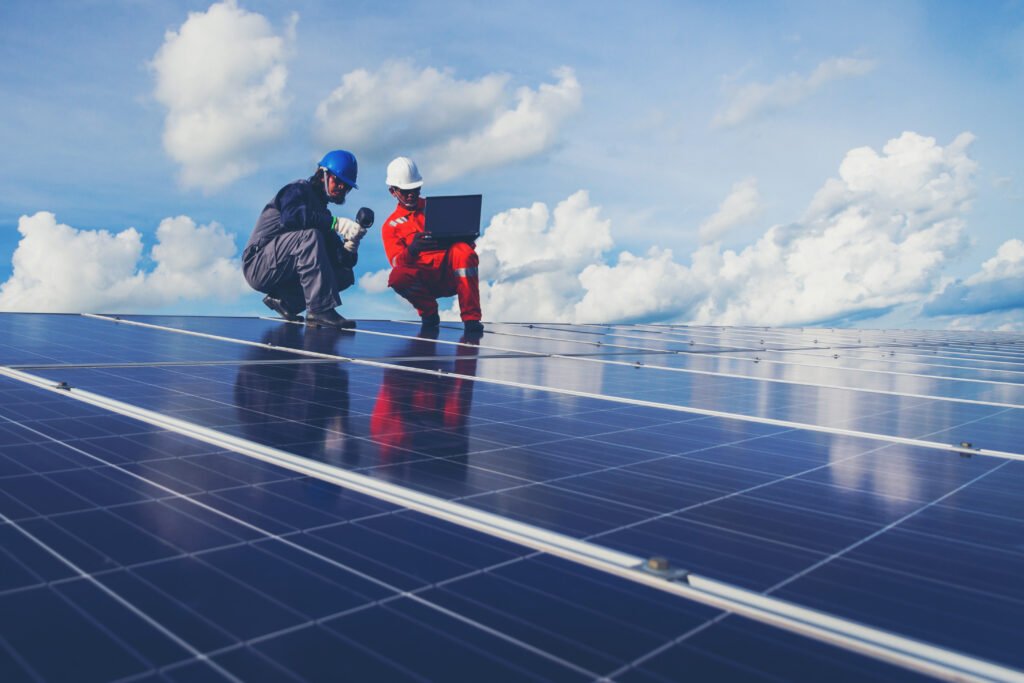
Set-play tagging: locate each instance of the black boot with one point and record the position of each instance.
(473, 327)
(430, 321)
(277, 306)
(329, 318)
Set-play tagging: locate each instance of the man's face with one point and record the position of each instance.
(336, 189)
(408, 199)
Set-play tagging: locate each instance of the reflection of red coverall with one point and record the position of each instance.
(425, 413)
(431, 274)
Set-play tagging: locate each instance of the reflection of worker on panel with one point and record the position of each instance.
(426, 413)
(312, 397)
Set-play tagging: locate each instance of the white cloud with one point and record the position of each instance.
(514, 134)
(999, 321)
(741, 206)
(875, 238)
(998, 286)
(193, 262)
(451, 126)
(399, 106)
(747, 101)
(528, 257)
(1007, 263)
(58, 268)
(375, 283)
(222, 77)
(637, 288)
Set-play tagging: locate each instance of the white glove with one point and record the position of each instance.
(350, 232)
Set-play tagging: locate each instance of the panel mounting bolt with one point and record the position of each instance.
(658, 564)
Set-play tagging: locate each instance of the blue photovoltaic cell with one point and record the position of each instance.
(394, 340)
(190, 550)
(946, 387)
(777, 503)
(803, 360)
(170, 575)
(991, 427)
(33, 339)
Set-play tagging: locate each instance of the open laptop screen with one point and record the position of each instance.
(455, 216)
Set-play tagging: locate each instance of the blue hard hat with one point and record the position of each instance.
(343, 165)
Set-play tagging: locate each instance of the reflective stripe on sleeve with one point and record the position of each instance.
(466, 272)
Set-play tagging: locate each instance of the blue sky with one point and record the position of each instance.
(774, 163)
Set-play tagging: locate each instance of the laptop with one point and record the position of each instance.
(454, 218)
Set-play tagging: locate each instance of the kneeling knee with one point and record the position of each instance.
(463, 255)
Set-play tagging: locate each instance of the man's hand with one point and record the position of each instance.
(350, 232)
(421, 242)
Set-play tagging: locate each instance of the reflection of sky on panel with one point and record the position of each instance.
(992, 428)
(350, 344)
(378, 346)
(879, 360)
(805, 374)
(938, 360)
(832, 408)
(608, 465)
(49, 339)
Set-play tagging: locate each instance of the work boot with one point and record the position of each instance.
(473, 327)
(429, 321)
(277, 306)
(329, 318)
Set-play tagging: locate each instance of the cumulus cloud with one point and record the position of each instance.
(451, 126)
(637, 288)
(375, 283)
(527, 256)
(749, 100)
(741, 206)
(222, 77)
(998, 286)
(1011, 320)
(58, 268)
(876, 237)
(399, 105)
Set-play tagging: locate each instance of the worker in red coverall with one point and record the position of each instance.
(422, 268)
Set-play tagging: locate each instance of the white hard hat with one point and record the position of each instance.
(403, 174)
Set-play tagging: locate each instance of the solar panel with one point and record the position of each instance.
(245, 499)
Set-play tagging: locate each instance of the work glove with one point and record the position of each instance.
(421, 242)
(350, 232)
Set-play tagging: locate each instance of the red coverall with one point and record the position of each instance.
(431, 274)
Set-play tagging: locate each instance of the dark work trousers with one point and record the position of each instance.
(303, 268)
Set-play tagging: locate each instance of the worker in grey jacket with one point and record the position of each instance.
(300, 255)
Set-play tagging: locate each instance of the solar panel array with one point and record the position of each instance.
(190, 499)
